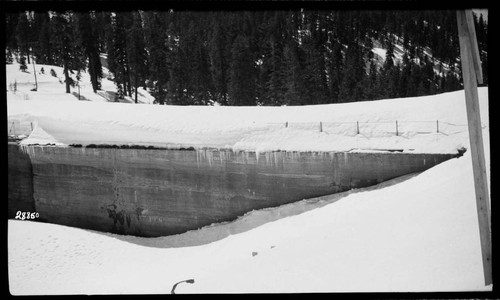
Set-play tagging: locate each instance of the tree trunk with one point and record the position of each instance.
(135, 81)
(66, 79)
(127, 81)
(93, 75)
(129, 86)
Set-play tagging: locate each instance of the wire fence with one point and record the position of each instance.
(376, 128)
(366, 128)
(17, 128)
(20, 95)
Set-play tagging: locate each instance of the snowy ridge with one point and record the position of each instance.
(257, 128)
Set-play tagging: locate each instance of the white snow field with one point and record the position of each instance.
(416, 233)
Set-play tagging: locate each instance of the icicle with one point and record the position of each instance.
(236, 156)
(197, 157)
(222, 156)
(209, 157)
(23, 148)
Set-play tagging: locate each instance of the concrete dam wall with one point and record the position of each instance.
(155, 192)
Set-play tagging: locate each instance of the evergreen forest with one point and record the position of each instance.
(250, 57)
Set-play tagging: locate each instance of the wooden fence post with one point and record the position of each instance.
(357, 127)
(320, 127)
(471, 69)
(397, 128)
(437, 126)
(34, 72)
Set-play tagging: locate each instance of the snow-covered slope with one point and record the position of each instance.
(49, 85)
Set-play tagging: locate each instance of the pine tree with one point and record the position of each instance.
(218, 60)
(154, 34)
(405, 76)
(272, 65)
(388, 73)
(292, 75)
(194, 55)
(241, 87)
(66, 51)
(107, 43)
(136, 53)
(23, 35)
(482, 37)
(335, 69)
(11, 21)
(8, 56)
(353, 74)
(372, 92)
(178, 40)
(117, 57)
(22, 64)
(88, 41)
(314, 75)
(43, 49)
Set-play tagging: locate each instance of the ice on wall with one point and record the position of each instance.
(38, 137)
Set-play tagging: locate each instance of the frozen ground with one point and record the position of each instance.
(416, 233)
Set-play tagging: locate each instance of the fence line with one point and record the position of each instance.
(397, 126)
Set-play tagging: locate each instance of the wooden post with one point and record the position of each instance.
(357, 127)
(474, 47)
(397, 128)
(471, 69)
(34, 72)
(437, 126)
(320, 127)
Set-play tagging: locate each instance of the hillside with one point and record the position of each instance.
(50, 80)
(262, 57)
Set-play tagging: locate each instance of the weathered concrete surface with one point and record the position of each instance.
(162, 192)
(20, 181)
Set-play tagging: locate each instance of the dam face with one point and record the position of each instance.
(152, 192)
